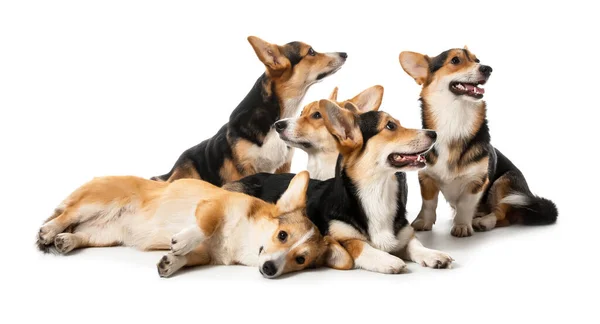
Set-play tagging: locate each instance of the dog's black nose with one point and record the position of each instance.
(280, 126)
(431, 134)
(269, 268)
(343, 55)
(485, 69)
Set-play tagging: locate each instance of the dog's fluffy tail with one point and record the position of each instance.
(533, 210)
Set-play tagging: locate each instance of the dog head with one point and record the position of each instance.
(374, 142)
(295, 66)
(455, 72)
(308, 132)
(297, 244)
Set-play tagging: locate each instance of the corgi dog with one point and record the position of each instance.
(364, 206)
(482, 185)
(247, 144)
(200, 223)
(308, 132)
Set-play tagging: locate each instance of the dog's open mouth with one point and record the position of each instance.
(470, 89)
(400, 160)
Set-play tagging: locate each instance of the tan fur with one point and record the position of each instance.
(429, 187)
(376, 144)
(307, 125)
(187, 170)
(288, 85)
(200, 222)
(229, 170)
(284, 168)
(372, 250)
(354, 247)
(459, 164)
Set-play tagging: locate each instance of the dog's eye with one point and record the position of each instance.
(282, 236)
(476, 60)
(311, 52)
(300, 260)
(455, 60)
(316, 115)
(390, 126)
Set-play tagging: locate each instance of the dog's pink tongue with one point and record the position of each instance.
(474, 89)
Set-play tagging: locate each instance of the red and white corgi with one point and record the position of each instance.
(200, 223)
(308, 132)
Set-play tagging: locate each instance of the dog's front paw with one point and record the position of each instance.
(169, 264)
(420, 224)
(484, 223)
(64, 243)
(434, 259)
(390, 265)
(462, 230)
(47, 234)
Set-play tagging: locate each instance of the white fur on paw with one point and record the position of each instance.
(433, 259)
(64, 243)
(185, 241)
(390, 265)
(420, 224)
(462, 230)
(484, 223)
(47, 233)
(169, 264)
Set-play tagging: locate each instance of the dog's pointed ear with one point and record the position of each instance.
(351, 107)
(335, 256)
(333, 95)
(342, 124)
(369, 99)
(465, 47)
(416, 65)
(269, 54)
(294, 196)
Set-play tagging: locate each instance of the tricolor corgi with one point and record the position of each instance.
(482, 185)
(248, 144)
(364, 206)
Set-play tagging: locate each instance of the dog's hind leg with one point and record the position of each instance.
(63, 218)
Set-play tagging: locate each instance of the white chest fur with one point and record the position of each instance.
(271, 155)
(454, 119)
(321, 165)
(274, 152)
(378, 196)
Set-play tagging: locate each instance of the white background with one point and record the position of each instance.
(123, 87)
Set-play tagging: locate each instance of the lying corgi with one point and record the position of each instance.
(474, 177)
(200, 223)
(364, 206)
(308, 132)
(248, 144)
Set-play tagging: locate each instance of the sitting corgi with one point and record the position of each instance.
(482, 185)
(248, 144)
